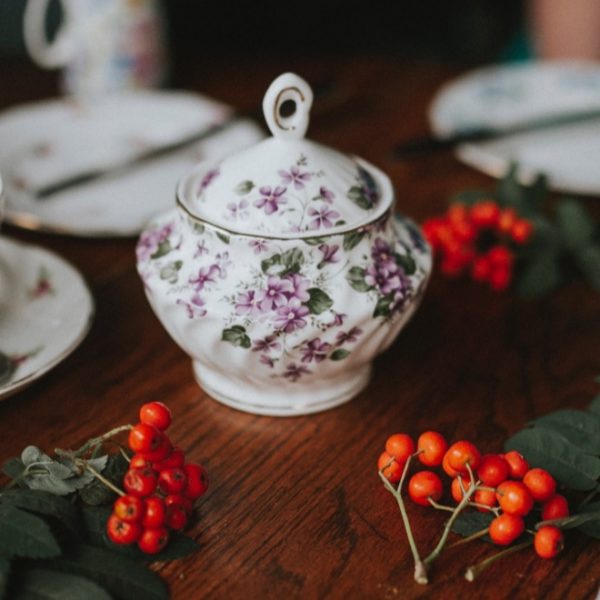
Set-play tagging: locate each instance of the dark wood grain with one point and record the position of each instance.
(295, 507)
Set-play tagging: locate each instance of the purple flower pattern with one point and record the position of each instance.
(270, 199)
(315, 350)
(295, 176)
(322, 217)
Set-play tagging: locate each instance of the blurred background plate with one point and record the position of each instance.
(45, 143)
(511, 96)
(46, 310)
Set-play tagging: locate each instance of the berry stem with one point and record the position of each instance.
(92, 442)
(470, 538)
(99, 476)
(475, 570)
(420, 567)
(439, 506)
(461, 505)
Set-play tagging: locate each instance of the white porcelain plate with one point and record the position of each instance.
(510, 96)
(46, 310)
(46, 143)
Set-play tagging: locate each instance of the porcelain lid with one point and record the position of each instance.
(286, 185)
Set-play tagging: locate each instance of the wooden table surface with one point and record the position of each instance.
(295, 508)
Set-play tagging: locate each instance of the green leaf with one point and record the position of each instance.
(268, 263)
(591, 528)
(95, 518)
(47, 504)
(236, 335)
(42, 584)
(358, 195)
(121, 576)
(548, 450)
(170, 271)
(356, 279)
(224, 238)
(315, 241)
(539, 277)
(293, 260)
(352, 239)
(580, 428)
(382, 308)
(164, 247)
(406, 262)
(319, 301)
(339, 354)
(588, 261)
(4, 574)
(245, 187)
(574, 223)
(595, 405)
(537, 193)
(511, 193)
(25, 535)
(13, 467)
(96, 493)
(469, 523)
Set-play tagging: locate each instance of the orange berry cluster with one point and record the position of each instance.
(160, 487)
(499, 483)
(478, 240)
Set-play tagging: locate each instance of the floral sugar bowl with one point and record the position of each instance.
(283, 271)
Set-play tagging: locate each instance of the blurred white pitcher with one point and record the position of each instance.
(103, 45)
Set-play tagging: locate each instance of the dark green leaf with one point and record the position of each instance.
(319, 301)
(359, 197)
(356, 279)
(382, 308)
(588, 261)
(293, 260)
(469, 523)
(539, 276)
(121, 576)
(164, 247)
(595, 405)
(579, 427)
(352, 239)
(574, 223)
(339, 354)
(96, 493)
(95, 518)
(315, 241)
(548, 450)
(26, 535)
(7, 368)
(224, 238)
(4, 574)
(267, 264)
(236, 335)
(406, 262)
(537, 193)
(43, 584)
(511, 193)
(591, 528)
(573, 521)
(13, 467)
(245, 187)
(45, 503)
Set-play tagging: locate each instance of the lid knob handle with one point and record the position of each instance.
(286, 106)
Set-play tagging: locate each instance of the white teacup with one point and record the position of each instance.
(103, 45)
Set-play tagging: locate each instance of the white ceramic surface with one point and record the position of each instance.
(48, 142)
(104, 45)
(282, 321)
(510, 96)
(46, 310)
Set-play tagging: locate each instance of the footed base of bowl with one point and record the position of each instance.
(283, 399)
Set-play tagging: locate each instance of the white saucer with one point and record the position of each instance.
(509, 96)
(52, 141)
(46, 310)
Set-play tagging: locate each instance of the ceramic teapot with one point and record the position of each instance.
(283, 270)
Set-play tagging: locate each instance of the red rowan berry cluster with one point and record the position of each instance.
(502, 484)
(160, 487)
(480, 240)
